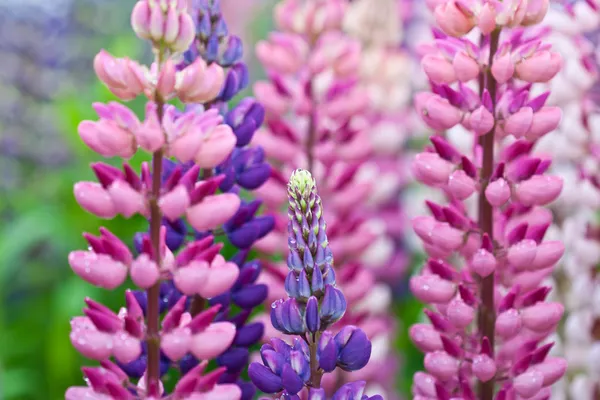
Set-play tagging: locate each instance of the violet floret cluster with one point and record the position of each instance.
(313, 305)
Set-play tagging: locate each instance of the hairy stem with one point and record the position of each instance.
(315, 372)
(486, 312)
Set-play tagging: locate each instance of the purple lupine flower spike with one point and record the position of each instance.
(313, 305)
(243, 169)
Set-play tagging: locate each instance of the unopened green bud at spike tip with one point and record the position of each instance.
(302, 181)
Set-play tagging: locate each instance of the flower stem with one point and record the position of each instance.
(486, 313)
(153, 294)
(152, 323)
(197, 305)
(315, 372)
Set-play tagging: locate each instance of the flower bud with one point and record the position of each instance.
(484, 367)
(436, 111)
(425, 337)
(424, 384)
(98, 269)
(460, 314)
(536, 11)
(432, 289)
(540, 67)
(460, 185)
(497, 192)
(171, 25)
(466, 67)
(544, 121)
(508, 323)
(552, 369)
(126, 348)
(354, 348)
(441, 365)
(529, 383)
(212, 341)
(519, 123)
(213, 211)
(144, 272)
(486, 20)
(522, 254)
(542, 317)
(548, 253)
(438, 69)
(503, 68)
(483, 263)
(539, 190)
(454, 19)
(264, 379)
(446, 237)
(312, 319)
(481, 121)
(431, 169)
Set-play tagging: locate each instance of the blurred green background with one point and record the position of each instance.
(48, 86)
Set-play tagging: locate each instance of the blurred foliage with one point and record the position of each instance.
(41, 223)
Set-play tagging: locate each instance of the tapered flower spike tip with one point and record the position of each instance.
(302, 183)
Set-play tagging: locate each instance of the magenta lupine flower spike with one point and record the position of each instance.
(314, 303)
(489, 317)
(317, 119)
(137, 332)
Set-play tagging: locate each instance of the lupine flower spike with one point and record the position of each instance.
(242, 169)
(135, 346)
(314, 303)
(489, 318)
(318, 118)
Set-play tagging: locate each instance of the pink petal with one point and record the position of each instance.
(92, 343)
(93, 198)
(126, 348)
(98, 269)
(81, 392)
(127, 201)
(219, 392)
(216, 147)
(213, 211)
(176, 344)
(220, 279)
(213, 341)
(175, 203)
(191, 278)
(144, 272)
